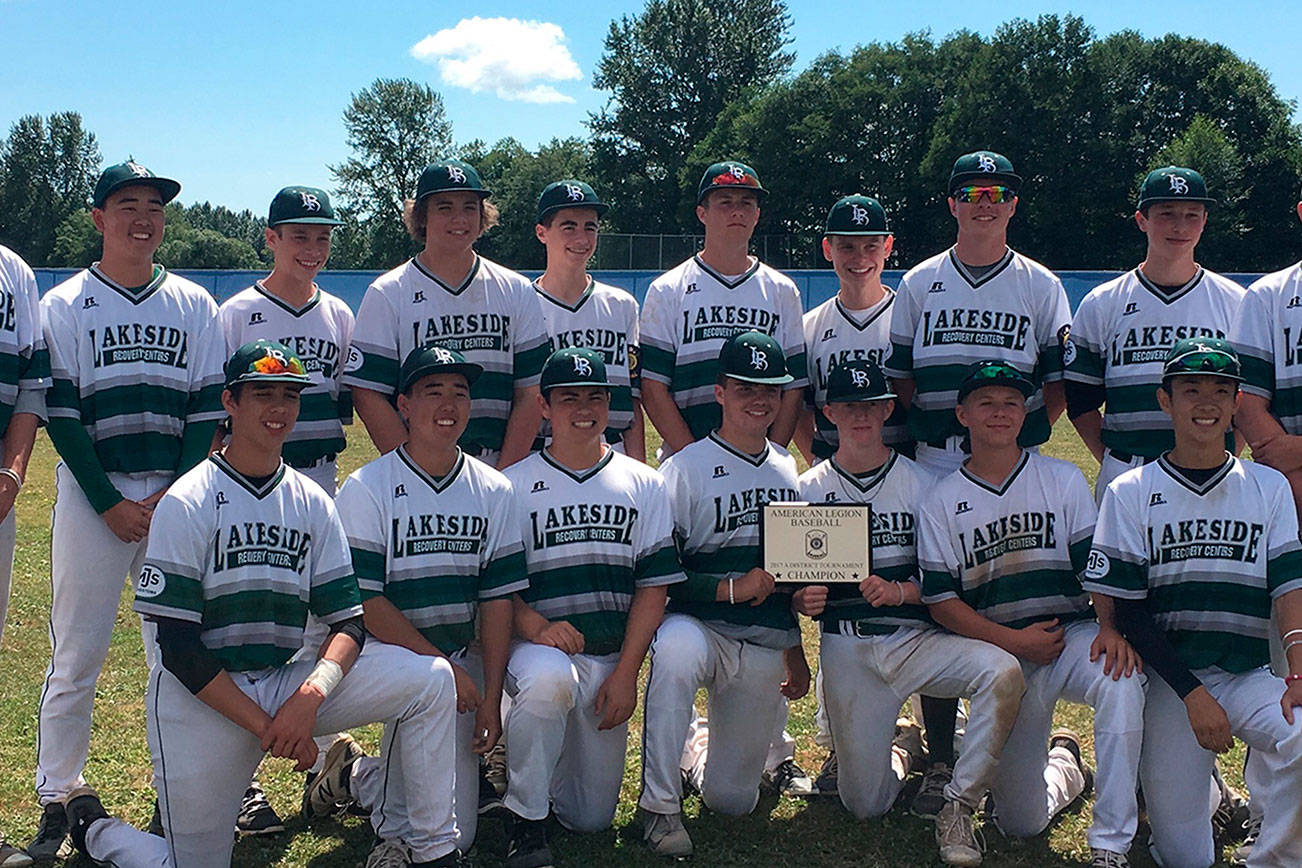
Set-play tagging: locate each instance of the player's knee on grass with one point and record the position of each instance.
(547, 685)
(726, 797)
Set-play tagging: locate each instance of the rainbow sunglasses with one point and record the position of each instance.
(997, 193)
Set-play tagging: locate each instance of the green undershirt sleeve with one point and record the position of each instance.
(78, 452)
(195, 443)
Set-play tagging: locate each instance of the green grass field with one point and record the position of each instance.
(781, 832)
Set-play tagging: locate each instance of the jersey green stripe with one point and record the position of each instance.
(134, 400)
(657, 360)
(450, 638)
(241, 606)
(528, 364)
(409, 595)
(331, 598)
(658, 564)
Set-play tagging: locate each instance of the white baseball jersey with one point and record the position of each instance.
(691, 311)
(1120, 336)
(1267, 332)
(319, 334)
(944, 319)
(1013, 552)
(604, 319)
(24, 361)
(434, 547)
(591, 539)
(247, 562)
(895, 490)
(1209, 557)
(134, 366)
(834, 335)
(494, 318)
(717, 492)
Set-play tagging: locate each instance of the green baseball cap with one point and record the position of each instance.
(754, 357)
(1207, 357)
(857, 381)
(985, 167)
(1173, 184)
(264, 361)
(449, 176)
(124, 174)
(857, 215)
(568, 194)
(302, 205)
(423, 361)
(573, 366)
(994, 372)
(729, 175)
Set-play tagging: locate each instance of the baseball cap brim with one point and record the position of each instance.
(1008, 179)
(758, 191)
(860, 398)
(300, 380)
(763, 381)
(479, 191)
(860, 232)
(576, 384)
(600, 207)
(166, 187)
(1017, 383)
(315, 221)
(469, 370)
(1153, 200)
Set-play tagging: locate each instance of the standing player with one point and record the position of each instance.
(878, 645)
(1124, 328)
(728, 631)
(436, 547)
(583, 313)
(244, 548)
(1002, 543)
(136, 360)
(449, 295)
(599, 544)
(1196, 547)
(691, 311)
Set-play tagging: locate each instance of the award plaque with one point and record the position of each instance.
(817, 543)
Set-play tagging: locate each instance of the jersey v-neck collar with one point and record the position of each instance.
(875, 314)
(731, 284)
(1002, 487)
(281, 303)
(864, 484)
(755, 460)
(978, 282)
(1163, 295)
(258, 491)
(455, 290)
(572, 308)
(1197, 488)
(579, 476)
(437, 483)
(139, 294)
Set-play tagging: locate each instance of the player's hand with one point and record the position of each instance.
(152, 500)
(488, 727)
(1210, 725)
(797, 683)
(810, 600)
(128, 520)
(1119, 658)
(1282, 452)
(290, 732)
(562, 635)
(616, 699)
(1041, 642)
(880, 592)
(754, 587)
(467, 693)
(1292, 699)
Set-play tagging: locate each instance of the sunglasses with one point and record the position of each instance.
(275, 363)
(1208, 361)
(998, 194)
(996, 371)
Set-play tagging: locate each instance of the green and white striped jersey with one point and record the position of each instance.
(1267, 332)
(717, 492)
(604, 319)
(690, 311)
(1119, 340)
(835, 335)
(895, 491)
(24, 361)
(435, 548)
(1210, 558)
(945, 319)
(592, 538)
(319, 334)
(133, 366)
(248, 563)
(1013, 552)
(494, 318)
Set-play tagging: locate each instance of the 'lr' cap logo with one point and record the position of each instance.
(758, 360)
(444, 357)
(1179, 185)
(455, 174)
(859, 215)
(574, 192)
(310, 201)
(737, 172)
(986, 163)
(138, 170)
(582, 366)
(859, 378)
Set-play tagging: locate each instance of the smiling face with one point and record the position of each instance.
(858, 260)
(983, 218)
(577, 413)
(748, 408)
(1201, 408)
(131, 222)
(453, 221)
(300, 249)
(730, 215)
(571, 236)
(436, 408)
(859, 423)
(263, 414)
(1173, 228)
(993, 416)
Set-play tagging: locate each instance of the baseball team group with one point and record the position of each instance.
(491, 585)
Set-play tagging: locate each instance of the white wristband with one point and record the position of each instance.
(325, 677)
(12, 474)
(731, 599)
(1292, 633)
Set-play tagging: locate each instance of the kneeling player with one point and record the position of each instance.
(242, 549)
(599, 545)
(878, 644)
(1195, 547)
(1002, 542)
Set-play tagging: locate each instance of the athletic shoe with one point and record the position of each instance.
(930, 798)
(389, 854)
(789, 779)
(451, 860)
(257, 817)
(528, 845)
(1243, 852)
(908, 737)
(329, 793)
(490, 802)
(825, 783)
(156, 822)
(82, 807)
(12, 857)
(1066, 738)
(51, 841)
(495, 768)
(665, 835)
(956, 837)
(1100, 858)
(1230, 820)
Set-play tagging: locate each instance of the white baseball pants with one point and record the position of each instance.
(1109, 469)
(8, 529)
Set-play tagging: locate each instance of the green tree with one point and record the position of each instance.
(77, 243)
(47, 171)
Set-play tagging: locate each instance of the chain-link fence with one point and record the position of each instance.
(662, 252)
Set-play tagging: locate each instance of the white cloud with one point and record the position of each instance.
(509, 57)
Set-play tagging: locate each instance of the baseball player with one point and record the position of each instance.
(244, 548)
(436, 547)
(136, 359)
(691, 311)
(1195, 548)
(878, 645)
(599, 544)
(728, 631)
(1002, 543)
(1123, 328)
(449, 295)
(581, 312)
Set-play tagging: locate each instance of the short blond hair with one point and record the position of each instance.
(415, 219)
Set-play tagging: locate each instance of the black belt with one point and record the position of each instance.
(861, 628)
(1126, 457)
(300, 465)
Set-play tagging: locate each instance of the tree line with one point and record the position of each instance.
(689, 82)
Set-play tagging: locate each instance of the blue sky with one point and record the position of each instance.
(236, 99)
